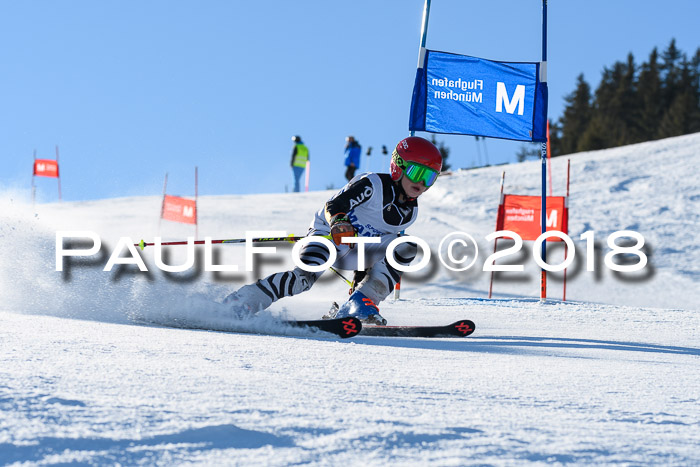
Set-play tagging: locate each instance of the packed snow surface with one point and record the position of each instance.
(611, 375)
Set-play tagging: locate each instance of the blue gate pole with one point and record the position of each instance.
(423, 38)
(543, 77)
(421, 61)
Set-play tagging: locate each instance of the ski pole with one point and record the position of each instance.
(290, 238)
(347, 281)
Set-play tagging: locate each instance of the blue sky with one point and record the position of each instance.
(131, 90)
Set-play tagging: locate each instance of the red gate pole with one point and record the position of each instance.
(58, 167)
(196, 206)
(549, 160)
(33, 184)
(162, 204)
(566, 214)
(495, 240)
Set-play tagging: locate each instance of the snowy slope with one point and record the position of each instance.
(610, 376)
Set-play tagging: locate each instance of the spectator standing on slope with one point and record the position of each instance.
(353, 151)
(300, 155)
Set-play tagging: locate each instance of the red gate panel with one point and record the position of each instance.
(179, 209)
(46, 168)
(522, 215)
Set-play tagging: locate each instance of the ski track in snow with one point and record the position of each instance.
(608, 377)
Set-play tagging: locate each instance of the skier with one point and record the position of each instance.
(370, 205)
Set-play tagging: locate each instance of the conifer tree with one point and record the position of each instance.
(605, 127)
(649, 97)
(659, 99)
(682, 116)
(576, 118)
(694, 87)
(628, 105)
(670, 77)
(555, 148)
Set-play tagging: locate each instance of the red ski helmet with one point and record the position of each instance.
(416, 150)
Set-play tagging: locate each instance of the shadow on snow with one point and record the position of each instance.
(520, 344)
(131, 450)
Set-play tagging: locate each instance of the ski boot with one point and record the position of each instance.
(247, 301)
(362, 308)
(333, 312)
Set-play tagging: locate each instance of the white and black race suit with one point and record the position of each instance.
(377, 207)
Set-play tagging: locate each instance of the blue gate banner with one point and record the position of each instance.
(458, 94)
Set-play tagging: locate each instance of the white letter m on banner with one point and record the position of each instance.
(502, 97)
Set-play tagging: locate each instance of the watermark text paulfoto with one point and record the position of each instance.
(461, 251)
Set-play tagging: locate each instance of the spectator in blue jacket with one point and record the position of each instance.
(353, 151)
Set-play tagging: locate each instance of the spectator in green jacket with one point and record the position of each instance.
(300, 155)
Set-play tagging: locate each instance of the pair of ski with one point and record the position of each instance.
(351, 327)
